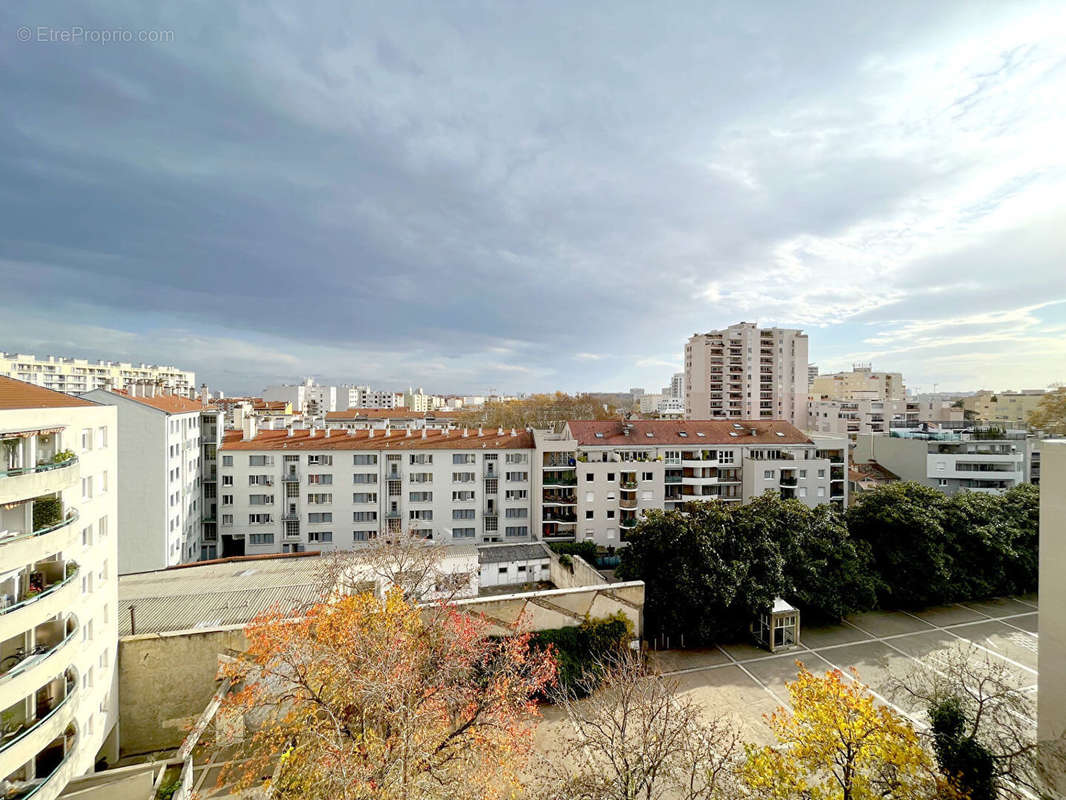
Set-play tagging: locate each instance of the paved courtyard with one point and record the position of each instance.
(744, 682)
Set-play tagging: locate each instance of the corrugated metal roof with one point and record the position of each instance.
(497, 553)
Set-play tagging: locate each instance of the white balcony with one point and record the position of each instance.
(23, 483)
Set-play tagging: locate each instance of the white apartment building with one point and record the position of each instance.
(159, 477)
(307, 397)
(78, 375)
(58, 588)
(746, 372)
(951, 462)
(294, 490)
(417, 400)
(858, 416)
(861, 382)
(362, 419)
(596, 478)
(671, 408)
(365, 397)
(812, 373)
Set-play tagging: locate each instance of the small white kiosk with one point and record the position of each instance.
(779, 628)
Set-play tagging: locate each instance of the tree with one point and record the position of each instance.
(838, 744)
(370, 697)
(634, 737)
(578, 649)
(1050, 415)
(904, 526)
(983, 724)
(538, 411)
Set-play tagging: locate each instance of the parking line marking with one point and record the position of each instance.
(983, 614)
(975, 644)
(747, 672)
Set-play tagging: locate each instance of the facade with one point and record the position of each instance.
(861, 415)
(861, 382)
(932, 408)
(159, 478)
(418, 401)
(1007, 409)
(1051, 716)
(671, 408)
(951, 462)
(362, 419)
(298, 490)
(649, 403)
(365, 397)
(596, 478)
(744, 372)
(812, 373)
(58, 588)
(212, 426)
(78, 375)
(306, 398)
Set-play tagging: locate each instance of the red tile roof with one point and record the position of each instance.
(15, 394)
(667, 431)
(375, 413)
(168, 403)
(397, 440)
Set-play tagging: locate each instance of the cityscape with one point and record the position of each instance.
(533, 403)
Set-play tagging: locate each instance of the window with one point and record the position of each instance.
(101, 437)
(610, 496)
(319, 499)
(462, 477)
(227, 461)
(589, 477)
(259, 480)
(320, 536)
(802, 491)
(365, 477)
(420, 497)
(421, 477)
(320, 517)
(768, 474)
(421, 458)
(590, 514)
(516, 494)
(465, 513)
(259, 519)
(517, 477)
(363, 536)
(227, 499)
(87, 488)
(942, 482)
(503, 570)
(516, 530)
(462, 533)
(610, 513)
(87, 439)
(227, 519)
(260, 538)
(464, 496)
(646, 476)
(322, 461)
(101, 527)
(821, 473)
(365, 497)
(725, 456)
(589, 533)
(516, 513)
(421, 513)
(363, 459)
(463, 458)
(364, 516)
(87, 536)
(260, 461)
(260, 499)
(492, 524)
(821, 491)
(322, 479)
(516, 458)
(803, 473)
(227, 480)
(610, 476)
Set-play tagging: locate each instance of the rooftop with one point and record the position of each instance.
(167, 403)
(497, 553)
(394, 439)
(16, 394)
(685, 432)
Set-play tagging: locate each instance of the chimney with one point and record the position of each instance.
(388, 431)
(408, 434)
(465, 434)
(289, 433)
(513, 433)
(499, 431)
(311, 432)
(351, 431)
(423, 433)
(249, 429)
(328, 432)
(480, 431)
(204, 394)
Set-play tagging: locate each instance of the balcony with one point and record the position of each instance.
(564, 479)
(558, 461)
(628, 486)
(394, 475)
(51, 710)
(559, 499)
(290, 477)
(788, 482)
(672, 479)
(290, 516)
(34, 585)
(393, 514)
(564, 517)
(20, 483)
(47, 772)
(22, 546)
(19, 673)
(627, 523)
(624, 503)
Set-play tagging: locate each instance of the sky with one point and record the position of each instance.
(533, 196)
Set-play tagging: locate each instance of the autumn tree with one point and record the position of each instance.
(635, 738)
(370, 697)
(537, 410)
(981, 724)
(838, 743)
(1050, 415)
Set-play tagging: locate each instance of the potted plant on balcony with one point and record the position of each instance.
(62, 455)
(47, 511)
(71, 568)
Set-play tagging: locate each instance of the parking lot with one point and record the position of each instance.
(744, 682)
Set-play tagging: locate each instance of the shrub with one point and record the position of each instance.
(587, 550)
(47, 511)
(578, 648)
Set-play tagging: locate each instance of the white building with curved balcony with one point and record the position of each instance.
(58, 589)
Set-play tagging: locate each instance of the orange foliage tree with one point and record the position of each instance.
(371, 697)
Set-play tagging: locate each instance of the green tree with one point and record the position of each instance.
(904, 526)
(963, 760)
(980, 542)
(1021, 507)
(1050, 415)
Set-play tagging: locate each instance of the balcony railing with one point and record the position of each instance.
(290, 477)
(31, 725)
(627, 503)
(393, 514)
(672, 479)
(629, 486)
(37, 656)
(627, 523)
(72, 516)
(71, 572)
(290, 516)
(10, 473)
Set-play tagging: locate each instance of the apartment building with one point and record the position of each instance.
(306, 398)
(1051, 712)
(58, 588)
(861, 383)
(812, 373)
(294, 490)
(361, 419)
(78, 375)
(417, 400)
(858, 416)
(747, 372)
(159, 477)
(365, 397)
(212, 427)
(1006, 409)
(949, 461)
(596, 478)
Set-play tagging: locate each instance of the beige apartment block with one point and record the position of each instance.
(862, 382)
(1009, 409)
(595, 479)
(78, 375)
(58, 588)
(1051, 721)
(747, 372)
(858, 416)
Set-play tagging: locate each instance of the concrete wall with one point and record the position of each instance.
(905, 457)
(1052, 658)
(578, 575)
(165, 681)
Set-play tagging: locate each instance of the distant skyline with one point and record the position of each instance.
(529, 197)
